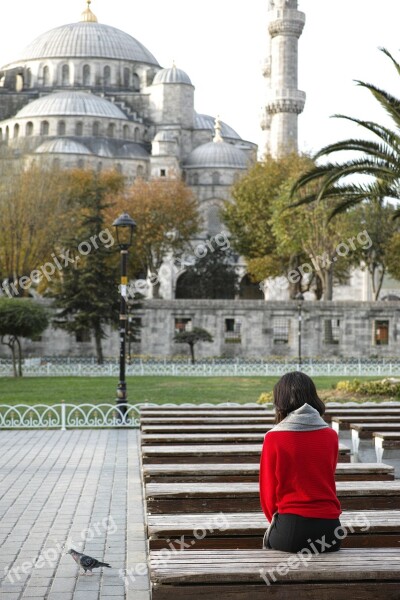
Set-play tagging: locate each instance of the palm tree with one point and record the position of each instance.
(378, 162)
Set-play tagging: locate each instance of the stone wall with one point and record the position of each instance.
(250, 328)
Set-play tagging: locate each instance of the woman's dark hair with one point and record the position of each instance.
(292, 391)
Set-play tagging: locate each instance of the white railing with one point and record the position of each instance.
(204, 369)
(76, 416)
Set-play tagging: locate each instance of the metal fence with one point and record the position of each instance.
(48, 367)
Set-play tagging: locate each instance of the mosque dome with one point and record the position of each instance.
(62, 146)
(207, 122)
(217, 155)
(69, 104)
(172, 75)
(87, 38)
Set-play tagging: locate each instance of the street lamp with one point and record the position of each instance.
(125, 227)
(300, 298)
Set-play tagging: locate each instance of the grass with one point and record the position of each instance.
(77, 390)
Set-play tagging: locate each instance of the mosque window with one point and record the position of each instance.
(136, 82)
(137, 134)
(16, 130)
(213, 220)
(331, 331)
(46, 76)
(195, 179)
(107, 75)
(99, 166)
(29, 128)
(281, 330)
(65, 75)
(83, 335)
(86, 75)
(163, 173)
(125, 132)
(7, 133)
(81, 163)
(44, 128)
(79, 128)
(139, 171)
(96, 128)
(381, 333)
(233, 331)
(61, 128)
(28, 78)
(111, 130)
(215, 178)
(127, 77)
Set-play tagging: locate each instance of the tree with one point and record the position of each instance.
(20, 318)
(210, 276)
(376, 163)
(167, 218)
(197, 334)
(249, 217)
(86, 295)
(32, 216)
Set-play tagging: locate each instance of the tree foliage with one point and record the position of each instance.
(86, 294)
(375, 162)
(192, 337)
(167, 218)
(20, 318)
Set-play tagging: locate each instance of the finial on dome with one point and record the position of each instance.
(87, 15)
(217, 129)
(173, 64)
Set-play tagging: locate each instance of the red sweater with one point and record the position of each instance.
(297, 473)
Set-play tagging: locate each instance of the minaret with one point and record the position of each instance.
(284, 102)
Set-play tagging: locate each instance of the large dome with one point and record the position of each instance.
(217, 155)
(69, 104)
(87, 40)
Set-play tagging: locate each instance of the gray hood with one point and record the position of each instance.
(305, 418)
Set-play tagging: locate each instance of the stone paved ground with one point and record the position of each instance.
(78, 489)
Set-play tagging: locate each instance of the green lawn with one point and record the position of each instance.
(50, 390)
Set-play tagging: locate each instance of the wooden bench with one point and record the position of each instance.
(359, 573)
(212, 453)
(168, 498)
(344, 422)
(204, 438)
(388, 439)
(201, 420)
(370, 528)
(235, 412)
(364, 431)
(250, 472)
(223, 427)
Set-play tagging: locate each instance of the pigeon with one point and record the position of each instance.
(86, 562)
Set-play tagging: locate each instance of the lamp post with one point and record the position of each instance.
(300, 298)
(125, 227)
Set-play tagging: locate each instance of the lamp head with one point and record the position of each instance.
(125, 227)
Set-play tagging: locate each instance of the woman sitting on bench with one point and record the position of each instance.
(297, 472)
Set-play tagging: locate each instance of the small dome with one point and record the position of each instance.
(172, 75)
(87, 39)
(208, 122)
(67, 104)
(62, 146)
(217, 154)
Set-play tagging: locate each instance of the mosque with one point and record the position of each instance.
(89, 95)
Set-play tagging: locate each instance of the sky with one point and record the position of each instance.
(221, 44)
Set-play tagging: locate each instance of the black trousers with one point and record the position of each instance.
(293, 533)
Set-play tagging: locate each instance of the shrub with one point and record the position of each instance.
(383, 387)
(266, 398)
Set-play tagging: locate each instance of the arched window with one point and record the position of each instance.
(137, 134)
(111, 130)
(44, 128)
(213, 219)
(46, 76)
(215, 177)
(96, 128)
(136, 82)
(86, 75)
(65, 75)
(127, 77)
(61, 128)
(195, 179)
(79, 128)
(16, 130)
(107, 76)
(139, 171)
(7, 133)
(28, 78)
(29, 128)
(125, 132)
